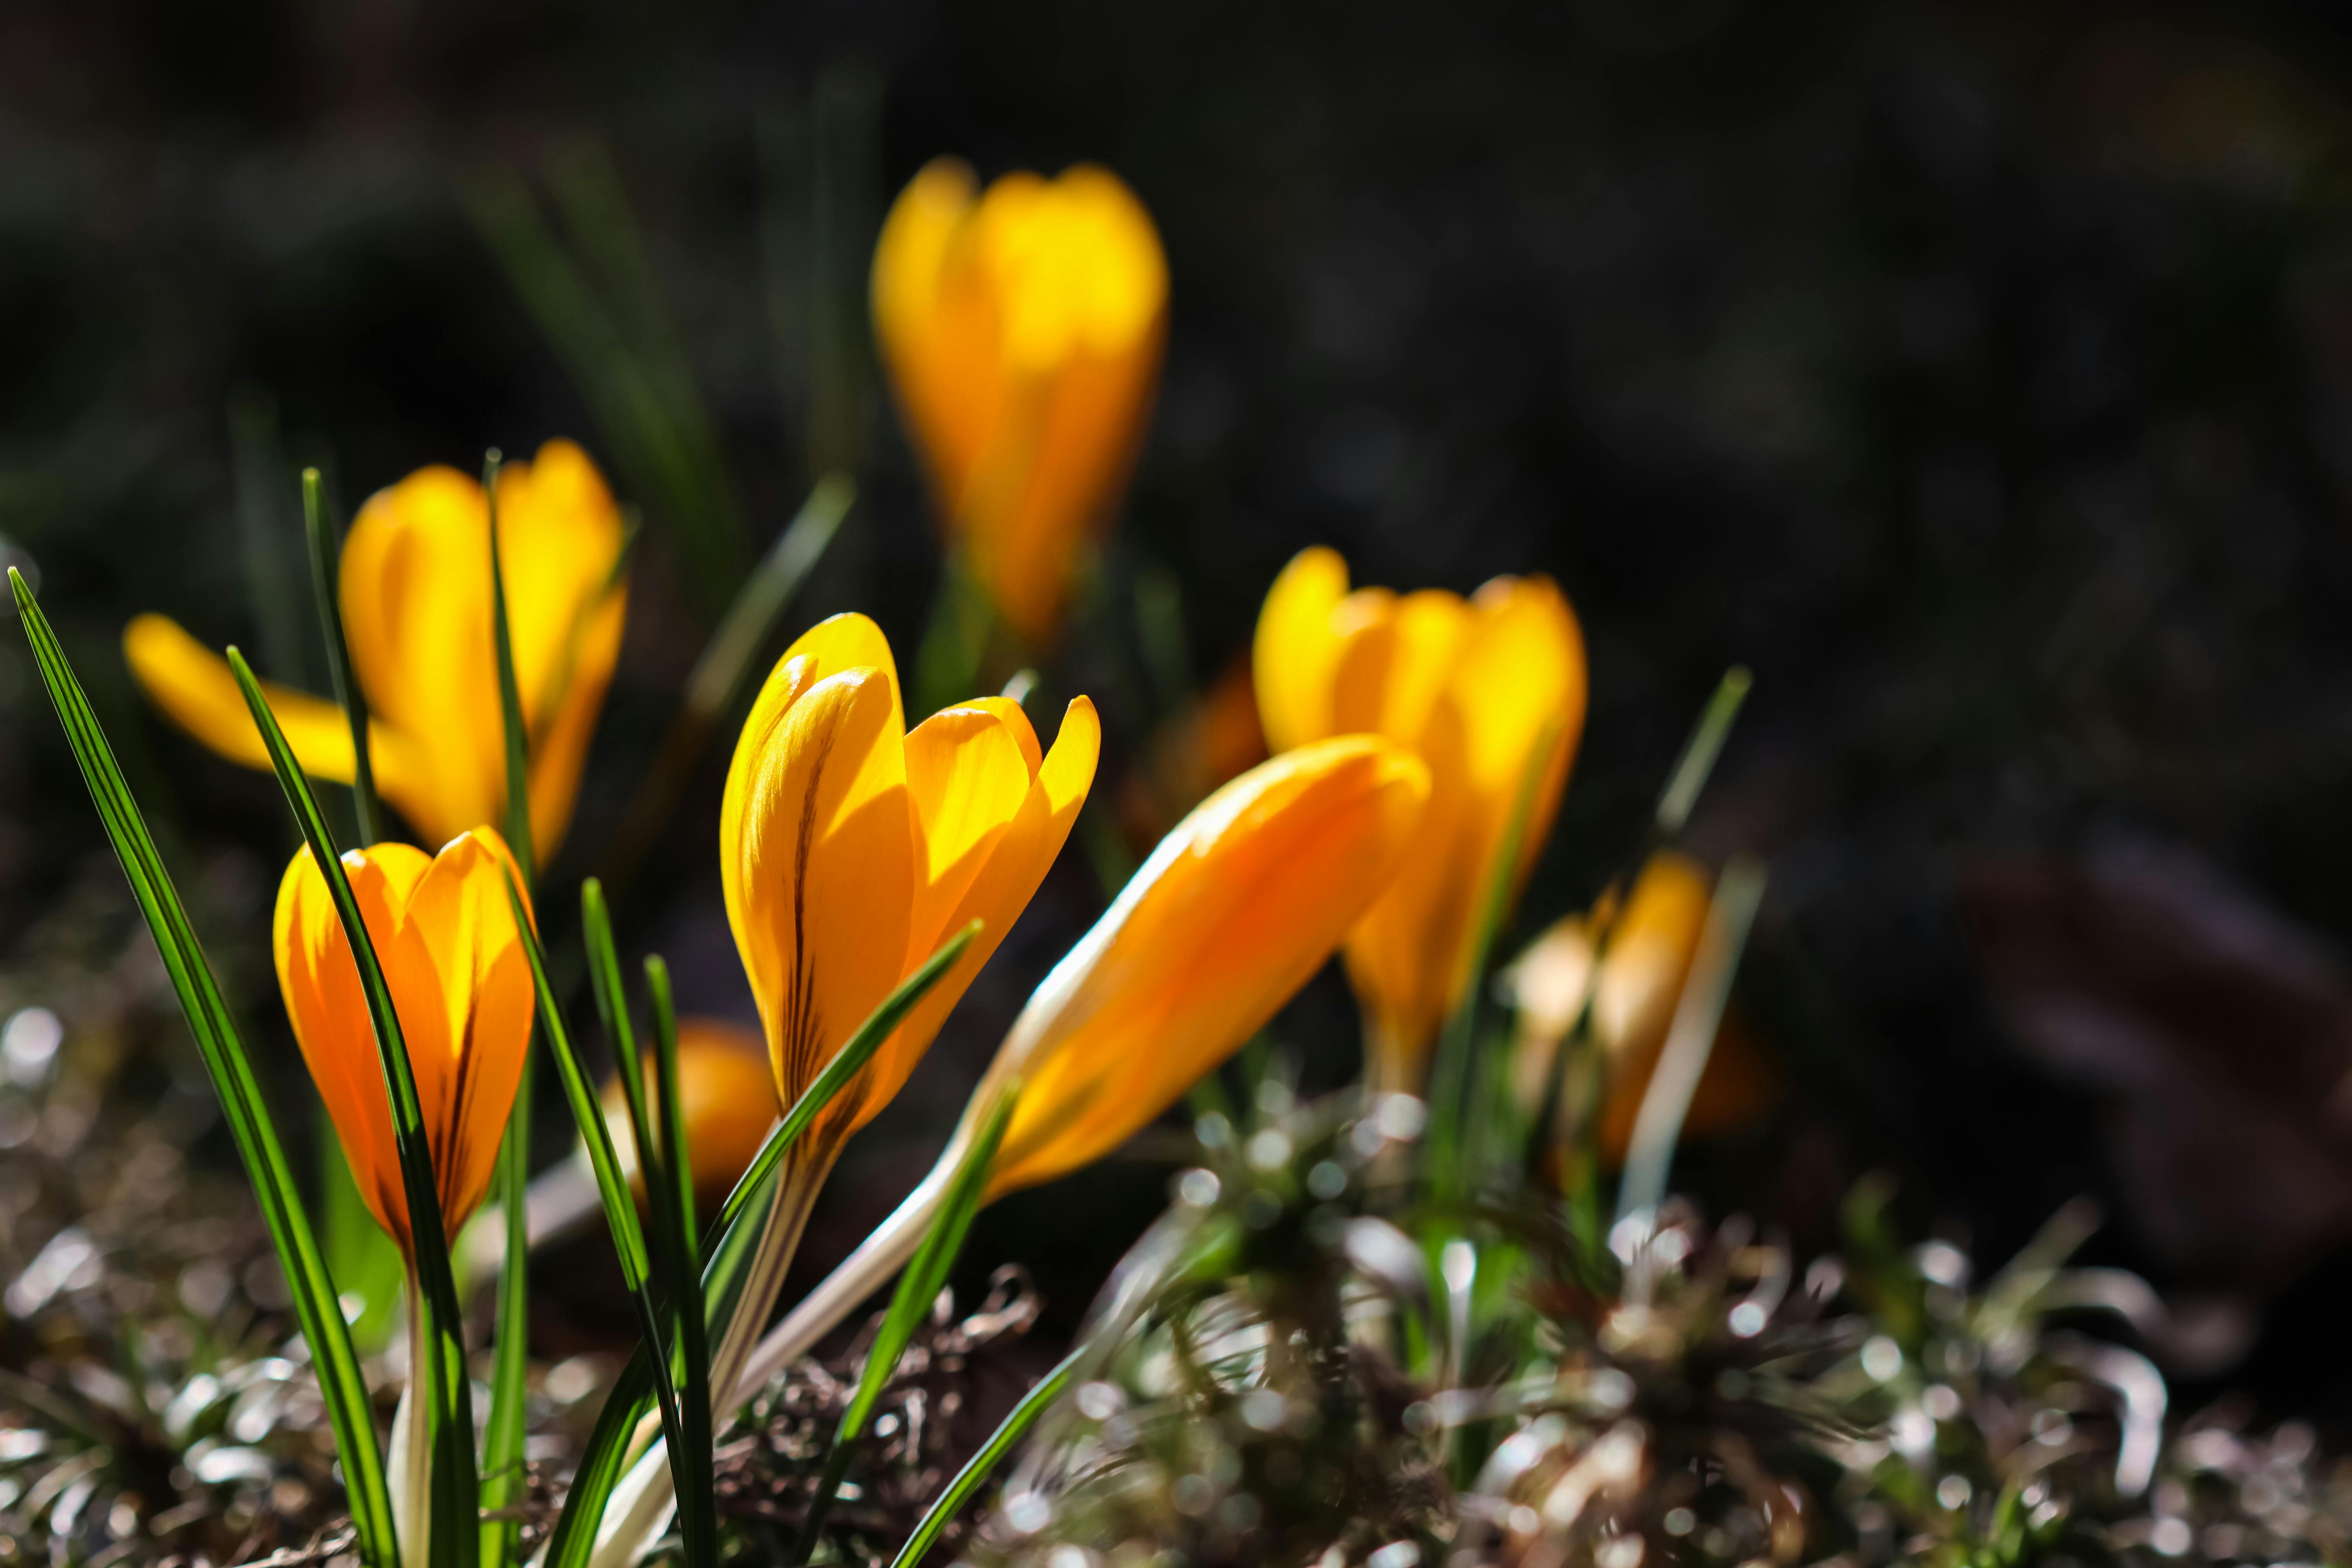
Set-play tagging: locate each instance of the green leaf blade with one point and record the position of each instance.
(455, 1483)
(227, 1061)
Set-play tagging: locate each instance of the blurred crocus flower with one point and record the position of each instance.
(1651, 945)
(1021, 328)
(849, 849)
(726, 1096)
(414, 592)
(444, 931)
(1490, 692)
(1234, 911)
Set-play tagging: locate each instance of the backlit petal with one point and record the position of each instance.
(817, 858)
(1295, 653)
(1233, 913)
(194, 684)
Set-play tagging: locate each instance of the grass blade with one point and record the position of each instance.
(455, 1487)
(671, 1253)
(728, 661)
(1015, 1427)
(919, 1286)
(840, 1070)
(326, 554)
(693, 1339)
(728, 1245)
(1658, 1125)
(1700, 752)
(620, 1210)
(502, 1442)
(231, 1069)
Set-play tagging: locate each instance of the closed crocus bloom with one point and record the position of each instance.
(415, 595)
(1652, 944)
(1236, 910)
(1021, 328)
(1490, 692)
(444, 931)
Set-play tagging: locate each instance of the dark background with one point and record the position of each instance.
(1979, 376)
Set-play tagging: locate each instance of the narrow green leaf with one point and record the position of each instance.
(729, 1244)
(620, 1210)
(1015, 1427)
(502, 1444)
(841, 1070)
(918, 1286)
(517, 737)
(456, 1486)
(1657, 1126)
(316, 1305)
(365, 1262)
(671, 1251)
(1700, 753)
(692, 1341)
(325, 556)
(727, 662)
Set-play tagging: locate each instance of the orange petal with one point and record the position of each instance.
(1233, 913)
(1295, 653)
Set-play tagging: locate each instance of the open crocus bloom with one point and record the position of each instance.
(1651, 946)
(414, 590)
(444, 931)
(1490, 692)
(1234, 911)
(1022, 329)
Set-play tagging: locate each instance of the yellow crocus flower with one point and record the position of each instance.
(415, 591)
(1022, 329)
(849, 849)
(1651, 946)
(1488, 691)
(1236, 910)
(445, 934)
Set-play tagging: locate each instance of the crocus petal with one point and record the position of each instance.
(194, 685)
(818, 863)
(444, 932)
(1294, 654)
(1233, 913)
(460, 922)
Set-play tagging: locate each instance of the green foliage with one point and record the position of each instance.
(316, 1303)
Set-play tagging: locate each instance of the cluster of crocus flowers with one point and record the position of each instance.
(414, 590)
(1489, 691)
(850, 849)
(1234, 911)
(1650, 945)
(1021, 328)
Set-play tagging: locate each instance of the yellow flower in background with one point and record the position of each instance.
(1022, 329)
(414, 590)
(1652, 944)
(850, 849)
(1488, 691)
(1234, 911)
(727, 1096)
(445, 934)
